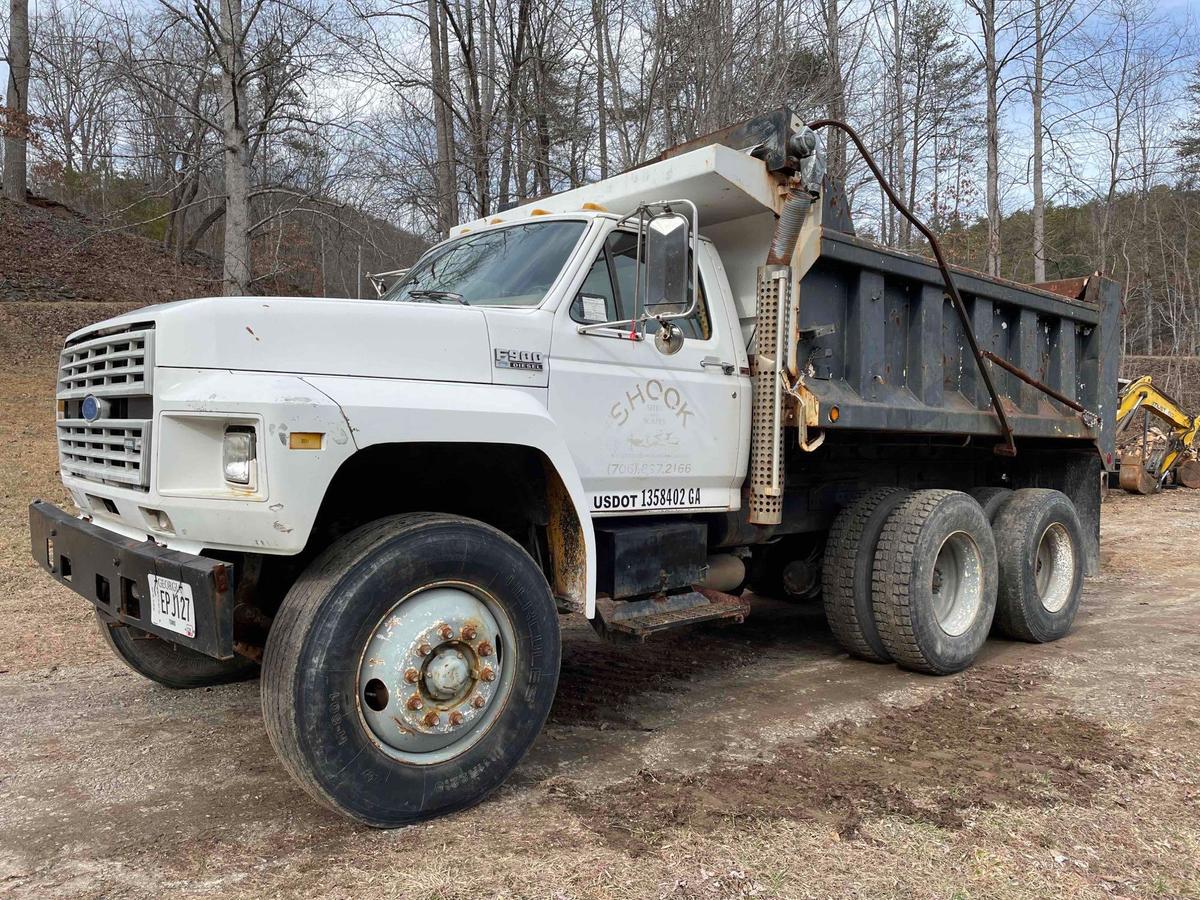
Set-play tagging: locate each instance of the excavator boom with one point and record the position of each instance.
(1145, 472)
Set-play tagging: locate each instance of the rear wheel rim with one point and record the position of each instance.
(436, 671)
(957, 587)
(1054, 567)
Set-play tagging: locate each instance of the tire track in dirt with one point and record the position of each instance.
(992, 739)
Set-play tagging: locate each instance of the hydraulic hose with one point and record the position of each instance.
(1009, 447)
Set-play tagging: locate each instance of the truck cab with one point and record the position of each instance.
(623, 402)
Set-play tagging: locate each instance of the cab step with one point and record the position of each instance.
(642, 618)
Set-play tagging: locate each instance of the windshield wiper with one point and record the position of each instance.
(439, 296)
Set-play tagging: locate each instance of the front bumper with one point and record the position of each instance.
(112, 573)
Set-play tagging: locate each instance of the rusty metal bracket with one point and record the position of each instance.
(804, 412)
(817, 331)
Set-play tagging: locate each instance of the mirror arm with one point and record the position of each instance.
(593, 327)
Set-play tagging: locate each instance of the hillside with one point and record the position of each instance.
(50, 253)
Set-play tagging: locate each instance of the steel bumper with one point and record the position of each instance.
(111, 572)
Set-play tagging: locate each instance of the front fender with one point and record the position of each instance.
(385, 411)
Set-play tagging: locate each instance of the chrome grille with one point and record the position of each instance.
(114, 368)
(113, 365)
(107, 450)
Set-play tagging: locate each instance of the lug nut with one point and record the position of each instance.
(412, 676)
(488, 675)
(456, 718)
(446, 632)
(484, 649)
(414, 702)
(468, 633)
(431, 719)
(424, 650)
(478, 701)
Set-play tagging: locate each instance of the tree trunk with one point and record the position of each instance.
(451, 146)
(237, 274)
(1039, 196)
(439, 75)
(202, 228)
(836, 108)
(16, 139)
(992, 79)
(900, 227)
(601, 110)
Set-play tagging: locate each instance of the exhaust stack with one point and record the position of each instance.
(772, 333)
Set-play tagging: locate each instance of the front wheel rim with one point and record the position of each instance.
(436, 671)
(957, 587)
(1054, 567)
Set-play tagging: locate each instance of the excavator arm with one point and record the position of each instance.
(1145, 473)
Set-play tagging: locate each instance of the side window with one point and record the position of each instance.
(622, 247)
(596, 300)
(608, 291)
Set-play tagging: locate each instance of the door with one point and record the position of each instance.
(649, 432)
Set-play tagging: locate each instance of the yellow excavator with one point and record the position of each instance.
(1147, 471)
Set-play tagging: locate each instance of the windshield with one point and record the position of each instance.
(512, 266)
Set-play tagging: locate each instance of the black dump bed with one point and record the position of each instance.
(881, 342)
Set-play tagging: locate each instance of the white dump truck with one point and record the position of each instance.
(628, 402)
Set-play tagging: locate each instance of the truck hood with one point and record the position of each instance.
(300, 335)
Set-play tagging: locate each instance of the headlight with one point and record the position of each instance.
(237, 454)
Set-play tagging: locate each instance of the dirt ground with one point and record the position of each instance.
(750, 761)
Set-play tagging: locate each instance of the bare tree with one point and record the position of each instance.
(74, 89)
(1055, 23)
(1005, 33)
(229, 38)
(16, 113)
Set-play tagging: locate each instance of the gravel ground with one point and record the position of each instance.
(746, 761)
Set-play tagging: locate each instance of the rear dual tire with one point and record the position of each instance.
(919, 578)
(934, 582)
(1039, 543)
(847, 571)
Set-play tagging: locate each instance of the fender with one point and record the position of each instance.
(386, 411)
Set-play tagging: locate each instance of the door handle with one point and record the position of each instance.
(727, 367)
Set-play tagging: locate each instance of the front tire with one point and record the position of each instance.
(172, 665)
(410, 668)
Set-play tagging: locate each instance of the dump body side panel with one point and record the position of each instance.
(882, 343)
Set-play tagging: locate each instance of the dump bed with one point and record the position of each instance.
(882, 345)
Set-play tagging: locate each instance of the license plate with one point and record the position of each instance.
(171, 605)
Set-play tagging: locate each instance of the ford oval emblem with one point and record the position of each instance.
(90, 408)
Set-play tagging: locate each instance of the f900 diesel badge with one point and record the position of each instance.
(520, 359)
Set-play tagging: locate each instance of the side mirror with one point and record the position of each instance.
(667, 247)
(665, 286)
